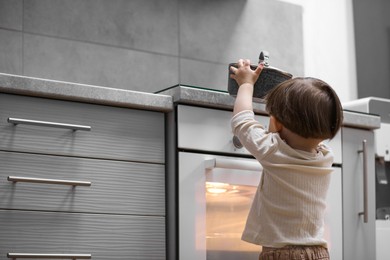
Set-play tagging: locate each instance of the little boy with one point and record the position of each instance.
(287, 213)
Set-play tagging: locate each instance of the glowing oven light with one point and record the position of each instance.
(217, 187)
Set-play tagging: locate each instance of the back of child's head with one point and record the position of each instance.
(308, 107)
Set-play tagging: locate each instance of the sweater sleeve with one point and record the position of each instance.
(252, 134)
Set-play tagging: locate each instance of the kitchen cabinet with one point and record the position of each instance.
(103, 236)
(80, 180)
(358, 230)
(115, 133)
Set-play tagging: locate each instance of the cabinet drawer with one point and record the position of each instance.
(101, 235)
(116, 133)
(208, 129)
(116, 186)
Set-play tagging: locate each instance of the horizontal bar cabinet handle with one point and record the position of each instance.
(233, 164)
(17, 121)
(48, 181)
(55, 256)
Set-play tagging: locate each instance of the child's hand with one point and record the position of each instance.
(244, 73)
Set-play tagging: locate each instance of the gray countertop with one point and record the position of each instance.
(207, 97)
(29, 86)
(163, 101)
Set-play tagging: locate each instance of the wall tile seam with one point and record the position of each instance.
(178, 41)
(23, 20)
(99, 44)
(10, 29)
(121, 47)
(208, 61)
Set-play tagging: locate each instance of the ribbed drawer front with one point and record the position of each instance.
(103, 236)
(116, 186)
(116, 133)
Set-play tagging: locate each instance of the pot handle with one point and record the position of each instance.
(263, 58)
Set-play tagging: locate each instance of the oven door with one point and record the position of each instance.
(215, 195)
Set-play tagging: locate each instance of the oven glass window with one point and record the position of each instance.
(227, 207)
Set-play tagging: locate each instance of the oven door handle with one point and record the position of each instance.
(233, 164)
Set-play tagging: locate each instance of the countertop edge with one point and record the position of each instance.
(360, 120)
(208, 98)
(216, 99)
(162, 102)
(22, 85)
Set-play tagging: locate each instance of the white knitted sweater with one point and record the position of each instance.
(289, 205)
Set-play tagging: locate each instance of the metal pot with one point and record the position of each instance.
(269, 78)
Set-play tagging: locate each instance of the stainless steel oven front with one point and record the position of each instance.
(215, 181)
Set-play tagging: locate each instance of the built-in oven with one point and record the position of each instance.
(215, 195)
(215, 182)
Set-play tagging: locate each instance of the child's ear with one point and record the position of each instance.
(277, 125)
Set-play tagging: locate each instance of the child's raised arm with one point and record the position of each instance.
(246, 78)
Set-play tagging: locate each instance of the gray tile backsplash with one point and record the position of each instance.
(11, 53)
(94, 64)
(203, 74)
(146, 45)
(11, 14)
(137, 24)
(209, 30)
(225, 30)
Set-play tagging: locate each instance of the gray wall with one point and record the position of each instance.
(146, 45)
(372, 38)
